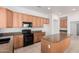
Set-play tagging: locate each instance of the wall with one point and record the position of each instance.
(72, 18)
(54, 24)
(73, 27)
(12, 30)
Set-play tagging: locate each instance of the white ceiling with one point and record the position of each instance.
(60, 10)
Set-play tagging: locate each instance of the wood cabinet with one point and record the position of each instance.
(18, 41)
(38, 36)
(25, 18)
(63, 22)
(44, 46)
(6, 18)
(11, 19)
(45, 21)
(39, 21)
(33, 22)
(48, 46)
(17, 20)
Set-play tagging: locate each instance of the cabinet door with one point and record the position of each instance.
(63, 22)
(38, 36)
(41, 22)
(25, 18)
(45, 48)
(47, 21)
(15, 20)
(34, 22)
(9, 19)
(15, 41)
(6, 18)
(2, 18)
(44, 21)
(28, 18)
(20, 19)
(20, 41)
(38, 22)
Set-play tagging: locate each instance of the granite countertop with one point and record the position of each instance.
(56, 37)
(10, 34)
(14, 33)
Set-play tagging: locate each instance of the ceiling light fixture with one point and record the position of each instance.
(49, 8)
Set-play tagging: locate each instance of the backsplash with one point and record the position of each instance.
(8, 30)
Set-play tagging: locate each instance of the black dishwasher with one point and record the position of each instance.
(28, 37)
(4, 40)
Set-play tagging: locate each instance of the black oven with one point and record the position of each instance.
(28, 37)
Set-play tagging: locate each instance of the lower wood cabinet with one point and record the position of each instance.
(18, 41)
(44, 46)
(38, 36)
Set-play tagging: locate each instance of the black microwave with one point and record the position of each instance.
(27, 24)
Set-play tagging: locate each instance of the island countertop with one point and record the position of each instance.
(56, 43)
(56, 37)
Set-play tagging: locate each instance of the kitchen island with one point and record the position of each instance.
(56, 43)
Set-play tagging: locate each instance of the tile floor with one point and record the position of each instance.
(4, 48)
(35, 48)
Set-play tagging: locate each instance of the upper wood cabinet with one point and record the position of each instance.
(17, 20)
(47, 21)
(34, 22)
(25, 18)
(39, 21)
(9, 19)
(63, 22)
(6, 18)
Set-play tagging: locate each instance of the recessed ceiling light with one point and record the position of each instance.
(73, 9)
(49, 8)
